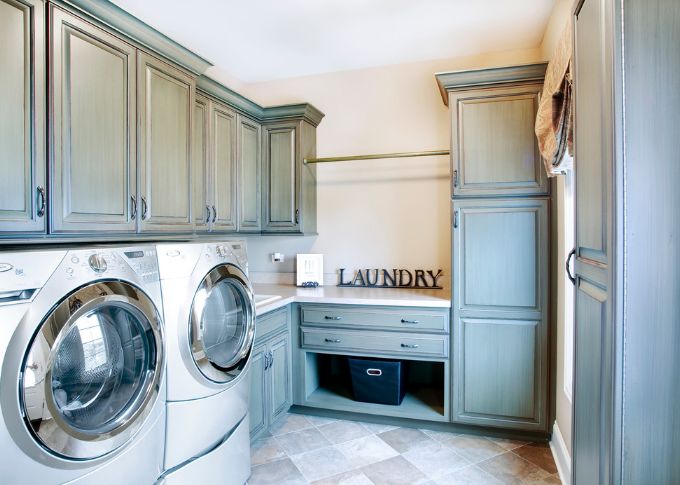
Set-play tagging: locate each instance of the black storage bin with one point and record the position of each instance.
(379, 381)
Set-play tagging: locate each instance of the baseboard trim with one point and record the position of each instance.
(561, 455)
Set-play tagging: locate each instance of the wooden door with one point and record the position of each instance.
(495, 151)
(200, 182)
(166, 107)
(93, 128)
(249, 179)
(500, 294)
(258, 409)
(223, 160)
(593, 345)
(280, 375)
(281, 211)
(22, 117)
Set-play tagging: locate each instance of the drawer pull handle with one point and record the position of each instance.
(374, 372)
(328, 317)
(332, 340)
(403, 320)
(410, 346)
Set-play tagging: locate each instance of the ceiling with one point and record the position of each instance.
(261, 40)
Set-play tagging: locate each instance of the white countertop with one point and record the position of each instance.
(350, 296)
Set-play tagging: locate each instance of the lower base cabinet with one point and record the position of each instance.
(270, 371)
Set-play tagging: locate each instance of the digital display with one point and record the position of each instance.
(236, 246)
(134, 254)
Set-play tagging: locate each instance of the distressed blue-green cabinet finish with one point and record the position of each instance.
(500, 326)
(271, 386)
(22, 117)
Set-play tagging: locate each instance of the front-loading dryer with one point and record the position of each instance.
(82, 378)
(210, 319)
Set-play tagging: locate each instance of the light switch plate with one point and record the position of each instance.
(309, 268)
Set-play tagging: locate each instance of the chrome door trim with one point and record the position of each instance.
(50, 430)
(210, 370)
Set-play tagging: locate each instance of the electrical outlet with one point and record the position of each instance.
(277, 258)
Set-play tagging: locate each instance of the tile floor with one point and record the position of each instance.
(308, 449)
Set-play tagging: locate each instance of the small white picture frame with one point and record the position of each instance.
(309, 269)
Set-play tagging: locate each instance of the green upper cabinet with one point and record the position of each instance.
(495, 151)
(200, 188)
(249, 175)
(500, 315)
(92, 73)
(166, 108)
(223, 176)
(289, 189)
(22, 117)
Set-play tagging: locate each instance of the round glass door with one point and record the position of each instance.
(222, 323)
(93, 370)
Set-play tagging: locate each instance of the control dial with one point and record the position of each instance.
(97, 263)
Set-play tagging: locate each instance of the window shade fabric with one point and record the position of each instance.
(554, 120)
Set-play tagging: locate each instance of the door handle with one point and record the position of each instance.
(410, 346)
(297, 216)
(266, 361)
(133, 208)
(41, 195)
(332, 340)
(329, 317)
(455, 219)
(214, 214)
(207, 218)
(144, 208)
(568, 266)
(455, 178)
(403, 320)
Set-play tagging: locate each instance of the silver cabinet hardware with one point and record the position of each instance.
(568, 266)
(214, 214)
(455, 219)
(41, 195)
(410, 346)
(332, 340)
(144, 208)
(133, 207)
(207, 217)
(329, 317)
(455, 178)
(403, 320)
(297, 216)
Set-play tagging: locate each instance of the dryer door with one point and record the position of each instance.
(222, 324)
(93, 370)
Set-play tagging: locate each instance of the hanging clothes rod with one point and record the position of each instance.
(377, 156)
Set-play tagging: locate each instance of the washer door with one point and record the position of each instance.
(93, 370)
(222, 324)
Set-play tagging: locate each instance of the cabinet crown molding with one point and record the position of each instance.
(494, 76)
(130, 26)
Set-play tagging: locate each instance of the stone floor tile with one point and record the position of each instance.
(507, 444)
(404, 439)
(538, 454)
(280, 472)
(377, 428)
(302, 441)
(512, 469)
(354, 477)
(322, 463)
(394, 471)
(549, 480)
(341, 431)
(320, 420)
(367, 450)
(439, 435)
(264, 450)
(435, 459)
(470, 475)
(474, 448)
(288, 423)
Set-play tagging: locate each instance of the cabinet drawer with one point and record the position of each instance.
(375, 342)
(270, 323)
(408, 320)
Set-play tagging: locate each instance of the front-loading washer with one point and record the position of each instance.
(210, 319)
(82, 386)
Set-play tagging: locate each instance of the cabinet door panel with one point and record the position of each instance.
(200, 166)
(258, 395)
(223, 125)
(249, 175)
(281, 196)
(501, 365)
(22, 152)
(280, 372)
(94, 126)
(496, 152)
(166, 105)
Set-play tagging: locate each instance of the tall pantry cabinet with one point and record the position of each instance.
(500, 242)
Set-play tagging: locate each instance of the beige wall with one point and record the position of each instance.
(385, 213)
